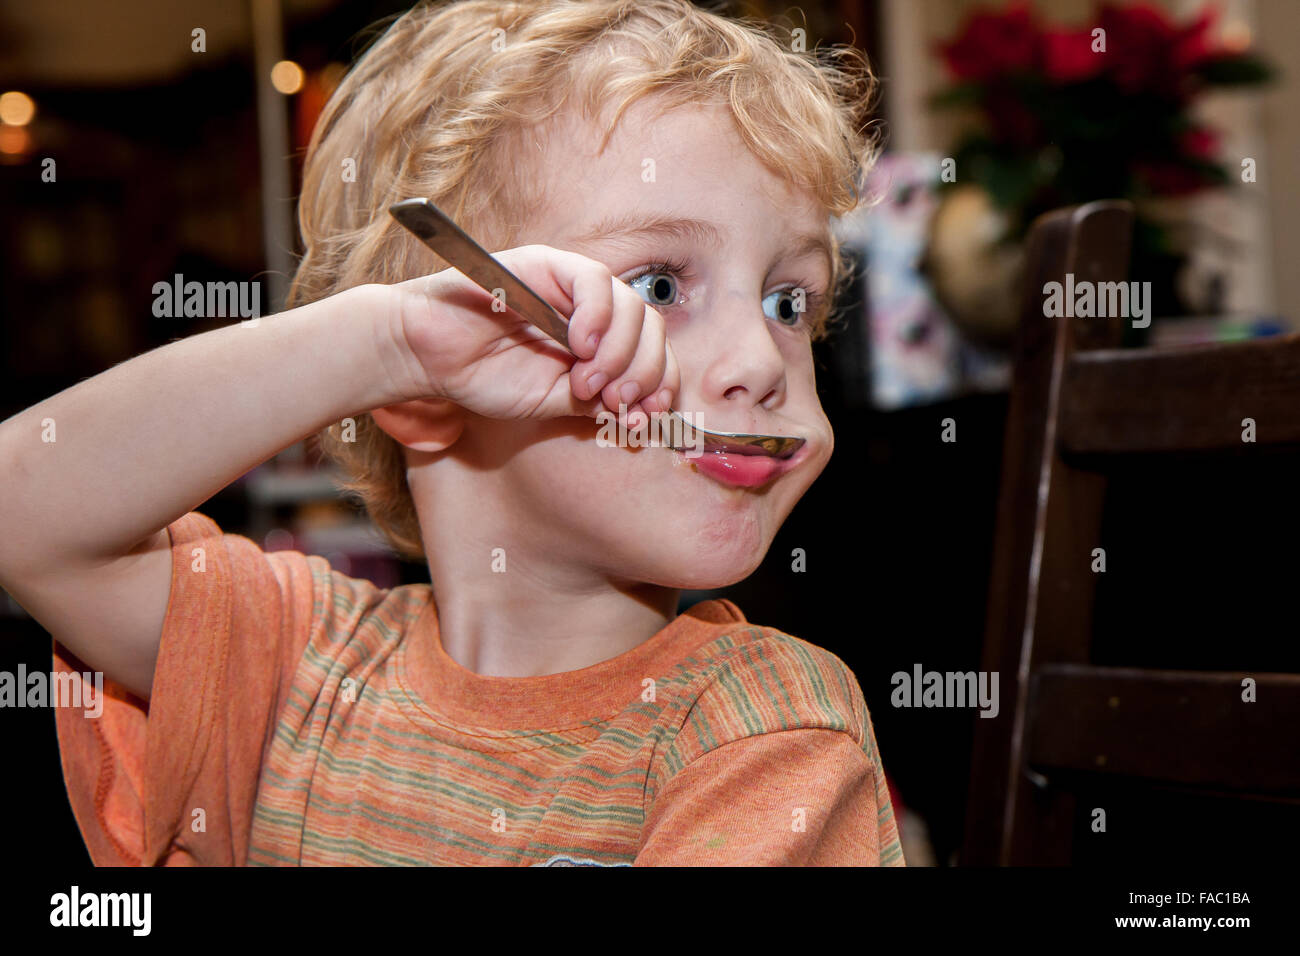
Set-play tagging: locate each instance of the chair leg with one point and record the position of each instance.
(1041, 829)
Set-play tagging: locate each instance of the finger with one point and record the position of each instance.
(618, 347)
(563, 401)
(664, 393)
(641, 378)
(565, 280)
(593, 296)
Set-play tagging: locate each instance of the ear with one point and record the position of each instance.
(426, 424)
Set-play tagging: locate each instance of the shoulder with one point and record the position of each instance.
(757, 680)
(309, 599)
(343, 625)
(286, 610)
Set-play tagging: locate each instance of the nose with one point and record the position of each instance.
(746, 365)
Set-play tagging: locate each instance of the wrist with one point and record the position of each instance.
(400, 376)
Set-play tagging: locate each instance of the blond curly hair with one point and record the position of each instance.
(438, 107)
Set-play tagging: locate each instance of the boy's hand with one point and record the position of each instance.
(496, 364)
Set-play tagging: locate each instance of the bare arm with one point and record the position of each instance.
(83, 540)
(84, 546)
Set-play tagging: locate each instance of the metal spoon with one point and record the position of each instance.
(437, 230)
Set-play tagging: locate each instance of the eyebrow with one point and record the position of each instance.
(632, 226)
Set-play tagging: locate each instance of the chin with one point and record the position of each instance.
(715, 552)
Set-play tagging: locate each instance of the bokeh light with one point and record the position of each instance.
(16, 109)
(287, 77)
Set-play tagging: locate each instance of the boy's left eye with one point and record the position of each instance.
(785, 305)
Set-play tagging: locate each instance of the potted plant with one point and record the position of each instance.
(1066, 116)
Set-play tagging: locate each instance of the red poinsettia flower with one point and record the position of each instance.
(1199, 142)
(1069, 57)
(1193, 46)
(1169, 179)
(1146, 51)
(994, 44)
(1139, 39)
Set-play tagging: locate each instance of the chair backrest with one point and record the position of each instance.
(1078, 404)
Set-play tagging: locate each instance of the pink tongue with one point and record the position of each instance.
(744, 470)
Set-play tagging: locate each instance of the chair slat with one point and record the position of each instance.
(1193, 398)
(1184, 727)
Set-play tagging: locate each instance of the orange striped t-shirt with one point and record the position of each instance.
(300, 716)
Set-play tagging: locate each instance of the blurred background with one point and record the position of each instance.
(147, 139)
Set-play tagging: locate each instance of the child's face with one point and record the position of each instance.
(646, 514)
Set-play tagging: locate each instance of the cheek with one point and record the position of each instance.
(573, 487)
(592, 502)
(643, 513)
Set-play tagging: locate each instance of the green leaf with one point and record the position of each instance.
(1236, 71)
(964, 94)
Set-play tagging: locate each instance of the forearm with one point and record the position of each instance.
(143, 443)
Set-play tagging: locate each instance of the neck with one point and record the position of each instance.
(528, 629)
(509, 605)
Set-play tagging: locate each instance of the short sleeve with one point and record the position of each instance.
(173, 780)
(770, 758)
(789, 798)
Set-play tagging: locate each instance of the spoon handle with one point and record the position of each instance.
(437, 231)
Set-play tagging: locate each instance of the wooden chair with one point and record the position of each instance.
(1078, 405)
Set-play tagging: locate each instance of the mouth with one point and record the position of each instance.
(744, 466)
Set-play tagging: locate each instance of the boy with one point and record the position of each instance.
(665, 178)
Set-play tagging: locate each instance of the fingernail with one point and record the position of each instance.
(596, 381)
(665, 398)
(629, 392)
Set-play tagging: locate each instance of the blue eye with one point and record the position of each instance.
(787, 310)
(658, 288)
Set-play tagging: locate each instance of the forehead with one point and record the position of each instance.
(685, 162)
